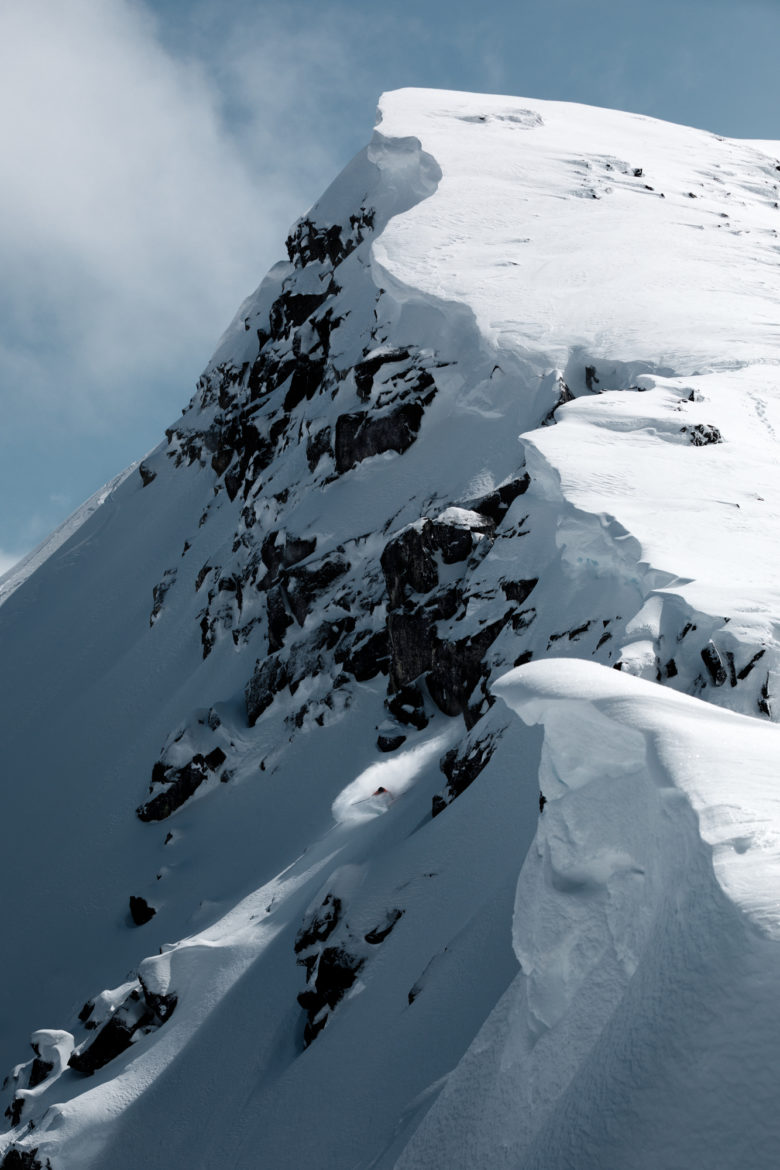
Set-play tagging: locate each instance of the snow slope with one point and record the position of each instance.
(641, 1030)
(512, 397)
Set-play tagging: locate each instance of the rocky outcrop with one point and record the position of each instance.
(115, 1037)
(497, 503)
(336, 972)
(175, 785)
(140, 910)
(160, 592)
(146, 474)
(461, 765)
(16, 1159)
(330, 243)
(362, 434)
(320, 925)
(115, 1026)
(417, 604)
(702, 435)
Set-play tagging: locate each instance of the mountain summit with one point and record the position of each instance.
(390, 757)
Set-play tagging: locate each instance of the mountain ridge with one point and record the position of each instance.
(321, 575)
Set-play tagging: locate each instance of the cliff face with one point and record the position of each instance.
(512, 396)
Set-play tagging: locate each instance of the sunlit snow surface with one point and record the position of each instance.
(642, 1029)
(590, 988)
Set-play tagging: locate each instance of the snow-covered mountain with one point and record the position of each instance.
(390, 757)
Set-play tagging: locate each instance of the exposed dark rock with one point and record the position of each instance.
(181, 783)
(458, 667)
(86, 1011)
(39, 1071)
(283, 553)
(305, 584)
(16, 1159)
(408, 566)
(389, 743)
(438, 805)
(305, 381)
(159, 592)
(309, 243)
(114, 1037)
(318, 445)
(670, 670)
(745, 671)
(522, 620)
(279, 617)
(140, 910)
(408, 707)
(365, 370)
(731, 668)
(455, 541)
(408, 560)
(763, 701)
(162, 1006)
(519, 590)
(330, 244)
(337, 970)
(379, 933)
(591, 381)
(702, 435)
(462, 765)
(221, 460)
(498, 502)
(320, 925)
(412, 641)
(714, 664)
(146, 474)
(201, 577)
(271, 675)
(330, 634)
(369, 656)
(564, 395)
(214, 759)
(291, 309)
(363, 433)
(14, 1112)
(443, 604)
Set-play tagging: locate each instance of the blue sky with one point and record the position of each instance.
(155, 153)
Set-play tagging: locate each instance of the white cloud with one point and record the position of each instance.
(133, 215)
(151, 168)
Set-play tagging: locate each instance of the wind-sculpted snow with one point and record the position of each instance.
(640, 1030)
(493, 408)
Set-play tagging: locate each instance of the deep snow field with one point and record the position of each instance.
(476, 501)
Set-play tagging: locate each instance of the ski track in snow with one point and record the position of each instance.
(627, 1017)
